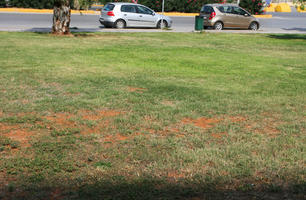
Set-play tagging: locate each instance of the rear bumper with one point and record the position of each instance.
(208, 23)
(106, 23)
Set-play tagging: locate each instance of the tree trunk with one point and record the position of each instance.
(61, 17)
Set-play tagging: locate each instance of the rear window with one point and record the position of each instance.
(207, 9)
(109, 7)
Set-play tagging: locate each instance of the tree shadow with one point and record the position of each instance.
(288, 36)
(147, 188)
(72, 30)
(295, 29)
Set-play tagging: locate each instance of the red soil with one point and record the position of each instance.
(16, 133)
(219, 135)
(201, 122)
(139, 90)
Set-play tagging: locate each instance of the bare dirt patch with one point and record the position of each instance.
(17, 133)
(175, 175)
(138, 90)
(219, 135)
(201, 122)
(89, 115)
(168, 103)
(61, 119)
(267, 126)
(237, 118)
(97, 120)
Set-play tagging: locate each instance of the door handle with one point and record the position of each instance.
(125, 14)
(140, 15)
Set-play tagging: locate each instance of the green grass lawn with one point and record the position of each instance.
(152, 116)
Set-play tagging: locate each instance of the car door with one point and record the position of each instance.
(146, 16)
(228, 18)
(242, 18)
(130, 15)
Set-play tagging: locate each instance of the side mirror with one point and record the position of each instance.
(246, 15)
(153, 13)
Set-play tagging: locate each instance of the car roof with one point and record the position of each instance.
(122, 3)
(221, 4)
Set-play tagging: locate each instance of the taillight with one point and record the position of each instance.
(212, 15)
(110, 13)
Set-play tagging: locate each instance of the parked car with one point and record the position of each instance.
(122, 15)
(221, 16)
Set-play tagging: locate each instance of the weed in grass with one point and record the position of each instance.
(103, 164)
(65, 132)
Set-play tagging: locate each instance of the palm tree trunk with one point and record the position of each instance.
(61, 17)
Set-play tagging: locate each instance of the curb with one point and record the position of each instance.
(263, 16)
(178, 14)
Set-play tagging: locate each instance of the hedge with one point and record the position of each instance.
(2, 3)
(253, 6)
(171, 5)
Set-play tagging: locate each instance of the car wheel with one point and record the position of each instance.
(162, 23)
(120, 24)
(205, 27)
(218, 26)
(253, 26)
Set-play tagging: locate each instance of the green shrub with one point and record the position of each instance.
(171, 5)
(48, 4)
(255, 7)
(32, 3)
(2, 4)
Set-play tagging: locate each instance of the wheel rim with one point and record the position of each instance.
(163, 24)
(254, 26)
(218, 26)
(120, 24)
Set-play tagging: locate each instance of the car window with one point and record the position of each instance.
(144, 10)
(207, 9)
(128, 8)
(225, 9)
(109, 7)
(238, 11)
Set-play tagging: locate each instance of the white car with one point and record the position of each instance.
(122, 15)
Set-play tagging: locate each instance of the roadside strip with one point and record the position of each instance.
(92, 12)
(47, 11)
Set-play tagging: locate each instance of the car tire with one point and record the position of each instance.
(205, 27)
(253, 26)
(120, 24)
(218, 26)
(107, 26)
(164, 25)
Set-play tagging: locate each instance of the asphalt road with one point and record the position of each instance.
(280, 23)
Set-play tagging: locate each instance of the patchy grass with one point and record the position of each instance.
(152, 116)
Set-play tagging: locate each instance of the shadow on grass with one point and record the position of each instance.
(148, 188)
(288, 36)
(72, 29)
